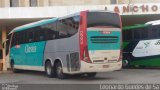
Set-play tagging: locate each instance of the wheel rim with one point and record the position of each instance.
(59, 71)
(125, 63)
(48, 69)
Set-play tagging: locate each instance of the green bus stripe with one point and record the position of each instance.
(154, 62)
(135, 26)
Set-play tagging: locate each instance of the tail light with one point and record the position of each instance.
(86, 55)
(120, 57)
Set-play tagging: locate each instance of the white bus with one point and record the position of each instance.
(83, 43)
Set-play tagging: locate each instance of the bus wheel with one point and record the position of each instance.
(13, 68)
(59, 71)
(125, 63)
(91, 74)
(49, 69)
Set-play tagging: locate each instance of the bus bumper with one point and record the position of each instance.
(106, 67)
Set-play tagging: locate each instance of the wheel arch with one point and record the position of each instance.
(53, 62)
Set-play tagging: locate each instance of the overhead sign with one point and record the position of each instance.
(130, 9)
(58, 11)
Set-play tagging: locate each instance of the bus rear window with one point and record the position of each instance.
(103, 19)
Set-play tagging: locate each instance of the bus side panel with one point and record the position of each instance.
(66, 50)
(143, 53)
(30, 54)
(147, 53)
(17, 54)
(35, 53)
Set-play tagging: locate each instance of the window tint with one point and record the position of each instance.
(154, 32)
(68, 27)
(62, 29)
(22, 36)
(137, 34)
(33, 3)
(127, 35)
(14, 3)
(56, 30)
(73, 25)
(15, 39)
(113, 1)
(103, 19)
(144, 33)
(30, 36)
(50, 31)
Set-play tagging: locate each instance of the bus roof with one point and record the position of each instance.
(135, 26)
(39, 23)
(46, 21)
(34, 24)
(156, 22)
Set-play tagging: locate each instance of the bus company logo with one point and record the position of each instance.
(157, 42)
(29, 49)
(146, 44)
(105, 32)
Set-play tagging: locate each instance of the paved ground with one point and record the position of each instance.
(124, 76)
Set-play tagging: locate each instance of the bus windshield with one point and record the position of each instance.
(103, 19)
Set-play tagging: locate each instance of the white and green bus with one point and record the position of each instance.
(83, 43)
(141, 45)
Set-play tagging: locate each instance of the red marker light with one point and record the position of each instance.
(17, 46)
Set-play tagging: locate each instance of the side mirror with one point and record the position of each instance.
(4, 43)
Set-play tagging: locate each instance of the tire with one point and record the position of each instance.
(49, 70)
(125, 64)
(59, 71)
(13, 68)
(91, 74)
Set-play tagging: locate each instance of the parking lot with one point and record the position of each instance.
(124, 76)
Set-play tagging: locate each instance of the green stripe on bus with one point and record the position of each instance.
(125, 44)
(135, 26)
(153, 62)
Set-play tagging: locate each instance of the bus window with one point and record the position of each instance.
(41, 35)
(127, 35)
(144, 33)
(137, 34)
(68, 27)
(49, 30)
(155, 32)
(101, 19)
(62, 29)
(73, 24)
(30, 36)
(15, 39)
(22, 37)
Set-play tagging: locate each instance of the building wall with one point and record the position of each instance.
(137, 1)
(78, 2)
(41, 3)
(4, 3)
(26, 3)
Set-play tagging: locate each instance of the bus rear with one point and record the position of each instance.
(100, 41)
